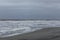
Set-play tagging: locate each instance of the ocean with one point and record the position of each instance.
(11, 28)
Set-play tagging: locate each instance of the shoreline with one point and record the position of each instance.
(46, 33)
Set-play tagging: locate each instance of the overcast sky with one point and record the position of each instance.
(35, 9)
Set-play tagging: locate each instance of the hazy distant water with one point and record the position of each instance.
(11, 28)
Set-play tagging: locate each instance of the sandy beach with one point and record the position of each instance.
(43, 34)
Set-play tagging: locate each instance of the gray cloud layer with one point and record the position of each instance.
(30, 9)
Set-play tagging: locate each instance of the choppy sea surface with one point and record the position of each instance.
(11, 28)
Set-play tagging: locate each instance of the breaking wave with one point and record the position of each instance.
(11, 28)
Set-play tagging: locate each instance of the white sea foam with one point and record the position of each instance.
(11, 28)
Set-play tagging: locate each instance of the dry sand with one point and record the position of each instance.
(43, 34)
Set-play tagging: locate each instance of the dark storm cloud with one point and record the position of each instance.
(29, 8)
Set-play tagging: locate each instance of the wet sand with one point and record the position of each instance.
(43, 34)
